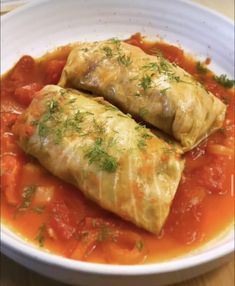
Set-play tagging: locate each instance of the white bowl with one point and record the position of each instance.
(43, 25)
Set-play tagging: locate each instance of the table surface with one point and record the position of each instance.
(12, 274)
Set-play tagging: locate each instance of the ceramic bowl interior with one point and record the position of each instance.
(43, 25)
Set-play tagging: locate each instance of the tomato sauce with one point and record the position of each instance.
(56, 216)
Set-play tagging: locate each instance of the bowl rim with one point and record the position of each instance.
(195, 5)
(29, 250)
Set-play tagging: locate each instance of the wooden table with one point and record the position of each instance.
(12, 274)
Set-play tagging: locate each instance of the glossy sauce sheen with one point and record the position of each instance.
(57, 217)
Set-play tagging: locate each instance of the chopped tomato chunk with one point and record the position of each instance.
(25, 94)
(53, 71)
(23, 71)
(61, 221)
(10, 172)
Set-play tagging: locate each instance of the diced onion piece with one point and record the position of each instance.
(220, 150)
(51, 233)
(43, 195)
(26, 93)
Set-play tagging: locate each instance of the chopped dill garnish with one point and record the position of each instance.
(151, 66)
(124, 60)
(163, 91)
(99, 127)
(146, 82)
(111, 107)
(27, 195)
(165, 66)
(62, 92)
(40, 237)
(115, 41)
(43, 130)
(224, 81)
(58, 135)
(97, 154)
(144, 135)
(53, 106)
(108, 52)
(141, 143)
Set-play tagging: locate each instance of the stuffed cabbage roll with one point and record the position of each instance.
(159, 92)
(114, 161)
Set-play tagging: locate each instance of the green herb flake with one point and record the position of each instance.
(224, 81)
(43, 130)
(62, 92)
(146, 82)
(201, 68)
(139, 245)
(124, 60)
(146, 136)
(163, 91)
(27, 195)
(140, 126)
(53, 106)
(108, 52)
(99, 127)
(115, 41)
(111, 107)
(97, 154)
(151, 66)
(141, 144)
(40, 237)
(142, 140)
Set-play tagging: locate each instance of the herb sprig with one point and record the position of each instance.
(40, 237)
(27, 195)
(98, 155)
(224, 81)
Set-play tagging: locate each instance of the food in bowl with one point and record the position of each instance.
(73, 145)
